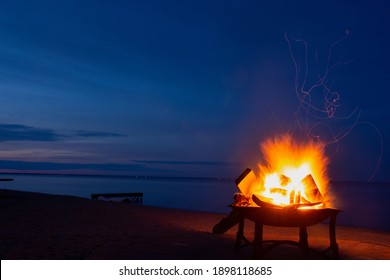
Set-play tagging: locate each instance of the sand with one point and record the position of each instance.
(42, 226)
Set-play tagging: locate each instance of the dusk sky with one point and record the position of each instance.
(191, 88)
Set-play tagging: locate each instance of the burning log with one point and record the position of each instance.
(312, 192)
(284, 180)
(295, 197)
(278, 190)
(260, 201)
(241, 200)
(246, 181)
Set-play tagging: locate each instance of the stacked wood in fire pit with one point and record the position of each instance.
(250, 195)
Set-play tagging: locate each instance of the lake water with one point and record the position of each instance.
(363, 204)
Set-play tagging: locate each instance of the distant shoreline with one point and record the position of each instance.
(147, 177)
(140, 177)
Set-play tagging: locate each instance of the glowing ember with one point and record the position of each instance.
(293, 174)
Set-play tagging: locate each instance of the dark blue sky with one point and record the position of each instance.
(190, 88)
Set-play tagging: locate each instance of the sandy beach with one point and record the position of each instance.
(42, 226)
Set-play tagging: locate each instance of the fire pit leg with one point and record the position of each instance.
(239, 235)
(332, 236)
(303, 243)
(258, 251)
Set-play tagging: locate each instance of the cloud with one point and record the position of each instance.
(211, 163)
(53, 166)
(98, 134)
(20, 132)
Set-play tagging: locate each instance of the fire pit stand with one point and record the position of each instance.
(280, 217)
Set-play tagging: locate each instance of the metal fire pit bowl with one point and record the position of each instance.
(279, 217)
(286, 217)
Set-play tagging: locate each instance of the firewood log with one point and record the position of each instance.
(246, 182)
(312, 192)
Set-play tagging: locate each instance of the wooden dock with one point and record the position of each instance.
(130, 197)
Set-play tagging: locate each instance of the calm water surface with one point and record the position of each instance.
(210, 195)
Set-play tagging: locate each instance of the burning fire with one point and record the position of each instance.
(294, 173)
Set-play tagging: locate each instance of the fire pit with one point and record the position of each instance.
(290, 191)
(262, 213)
(301, 218)
(279, 217)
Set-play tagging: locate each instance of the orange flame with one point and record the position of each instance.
(291, 167)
